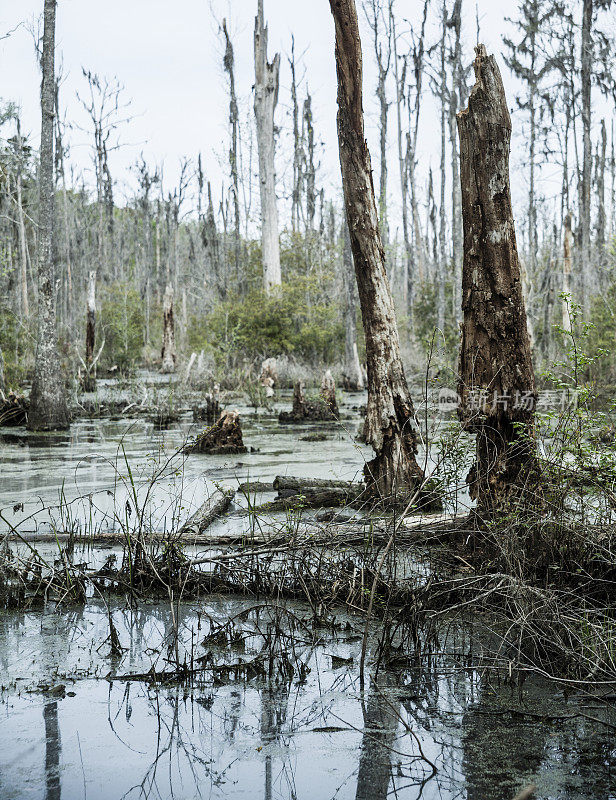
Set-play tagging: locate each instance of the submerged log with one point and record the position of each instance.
(13, 410)
(308, 410)
(496, 381)
(298, 484)
(213, 507)
(225, 437)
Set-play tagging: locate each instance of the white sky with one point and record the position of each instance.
(168, 56)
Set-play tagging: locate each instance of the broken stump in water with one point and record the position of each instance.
(225, 437)
(269, 376)
(309, 410)
(13, 410)
(209, 410)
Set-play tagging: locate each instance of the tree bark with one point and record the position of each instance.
(586, 80)
(48, 405)
(353, 380)
(496, 378)
(89, 380)
(168, 355)
(567, 249)
(390, 416)
(23, 247)
(266, 98)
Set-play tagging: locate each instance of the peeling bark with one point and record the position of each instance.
(496, 377)
(390, 416)
(353, 380)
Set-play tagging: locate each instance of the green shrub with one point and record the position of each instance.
(123, 325)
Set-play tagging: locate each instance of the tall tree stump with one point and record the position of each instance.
(168, 354)
(390, 417)
(496, 378)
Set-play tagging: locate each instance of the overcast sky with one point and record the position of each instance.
(168, 56)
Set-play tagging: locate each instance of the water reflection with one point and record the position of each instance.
(52, 751)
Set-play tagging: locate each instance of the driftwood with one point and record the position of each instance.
(311, 493)
(225, 437)
(213, 507)
(308, 410)
(248, 487)
(13, 411)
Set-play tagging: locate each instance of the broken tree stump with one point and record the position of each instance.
(328, 393)
(224, 437)
(209, 410)
(308, 410)
(269, 376)
(496, 381)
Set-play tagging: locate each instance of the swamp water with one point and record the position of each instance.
(279, 710)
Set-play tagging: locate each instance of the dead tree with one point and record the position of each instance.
(168, 354)
(390, 416)
(89, 379)
(567, 248)
(48, 405)
(353, 380)
(496, 377)
(267, 77)
(234, 123)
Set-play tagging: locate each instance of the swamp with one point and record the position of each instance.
(308, 467)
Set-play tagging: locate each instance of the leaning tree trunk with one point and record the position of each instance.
(48, 406)
(267, 78)
(390, 417)
(89, 380)
(496, 378)
(168, 356)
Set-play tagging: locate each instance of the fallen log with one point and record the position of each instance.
(298, 484)
(213, 507)
(311, 497)
(255, 486)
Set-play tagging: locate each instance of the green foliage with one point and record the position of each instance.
(123, 324)
(17, 343)
(426, 317)
(293, 320)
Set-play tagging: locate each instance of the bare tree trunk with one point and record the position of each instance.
(267, 78)
(496, 378)
(89, 381)
(310, 169)
(353, 380)
(455, 101)
(404, 179)
(168, 355)
(601, 219)
(586, 79)
(390, 416)
(48, 406)
(23, 247)
(297, 147)
(442, 254)
(567, 248)
(229, 66)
